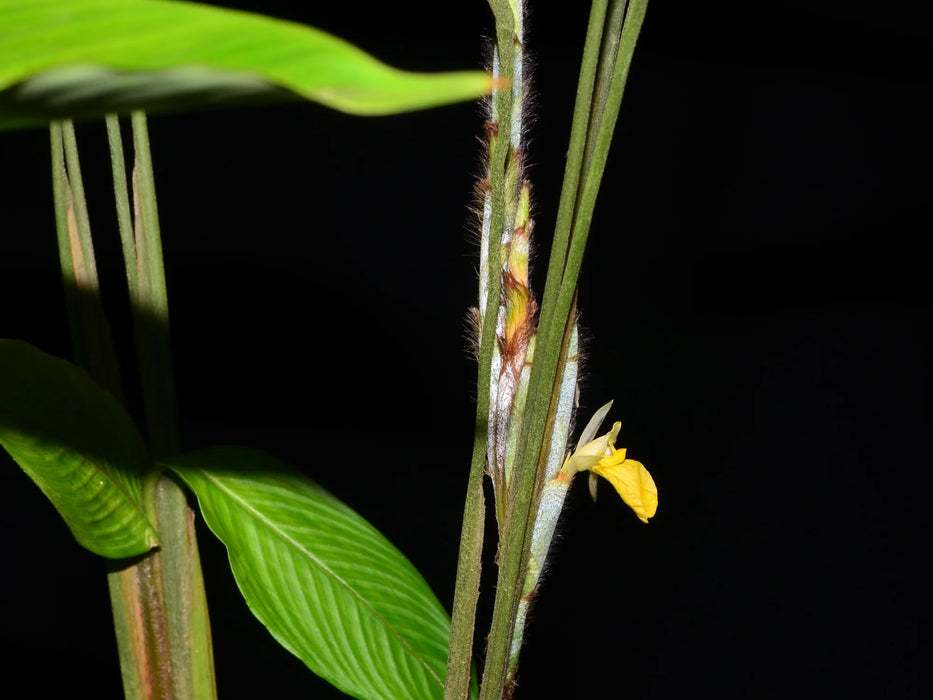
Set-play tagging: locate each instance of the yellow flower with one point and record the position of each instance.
(601, 458)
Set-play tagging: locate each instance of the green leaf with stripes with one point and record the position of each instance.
(77, 444)
(82, 58)
(328, 586)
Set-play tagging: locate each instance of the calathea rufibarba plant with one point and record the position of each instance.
(328, 586)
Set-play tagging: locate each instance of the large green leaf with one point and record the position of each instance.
(79, 446)
(329, 587)
(73, 58)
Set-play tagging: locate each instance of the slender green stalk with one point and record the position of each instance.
(150, 315)
(122, 199)
(177, 565)
(135, 602)
(573, 169)
(82, 223)
(550, 498)
(512, 538)
(469, 563)
(564, 266)
(608, 52)
(61, 193)
(634, 18)
(158, 599)
(91, 338)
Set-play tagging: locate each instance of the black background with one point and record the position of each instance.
(755, 299)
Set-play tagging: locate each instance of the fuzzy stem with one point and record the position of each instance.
(563, 270)
(469, 562)
(551, 498)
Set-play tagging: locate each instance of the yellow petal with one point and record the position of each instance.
(594, 448)
(634, 484)
(614, 458)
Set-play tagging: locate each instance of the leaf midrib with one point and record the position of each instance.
(321, 565)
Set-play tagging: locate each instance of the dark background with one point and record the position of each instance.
(755, 299)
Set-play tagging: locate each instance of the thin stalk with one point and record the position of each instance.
(122, 199)
(135, 604)
(91, 338)
(176, 567)
(551, 494)
(634, 18)
(158, 600)
(61, 193)
(563, 270)
(574, 167)
(469, 562)
(150, 314)
(609, 50)
(513, 552)
(469, 566)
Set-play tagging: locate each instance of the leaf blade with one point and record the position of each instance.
(80, 448)
(59, 59)
(361, 616)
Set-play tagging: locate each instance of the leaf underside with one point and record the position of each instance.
(62, 58)
(77, 444)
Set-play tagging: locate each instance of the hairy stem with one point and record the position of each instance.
(578, 196)
(469, 563)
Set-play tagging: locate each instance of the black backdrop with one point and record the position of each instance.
(754, 298)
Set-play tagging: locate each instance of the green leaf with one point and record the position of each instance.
(69, 58)
(326, 584)
(75, 441)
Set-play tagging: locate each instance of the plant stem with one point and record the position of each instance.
(178, 563)
(550, 498)
(122, 200)
(631, 28)
(150, 313)
(577, 200)
(512, 551)
(469, 562)
(92, 342)
(159, 606)
(137, 628)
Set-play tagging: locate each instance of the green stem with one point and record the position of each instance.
(122, 199)
(136, 604)
(469, 566)
(574, 167)
(178, 562)
(577, 200)
(91, 339)
(150, 314)
(549, 499)
(61, 193)
(469, 563)
(158, 600)
(609, 50)
(512, 551)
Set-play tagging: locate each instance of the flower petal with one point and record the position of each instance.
(634, 484)
(616, 457)
(589, 432)
(578, 463)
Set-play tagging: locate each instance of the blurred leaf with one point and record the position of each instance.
(326, 584)
(77, 444)
(69, 58)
